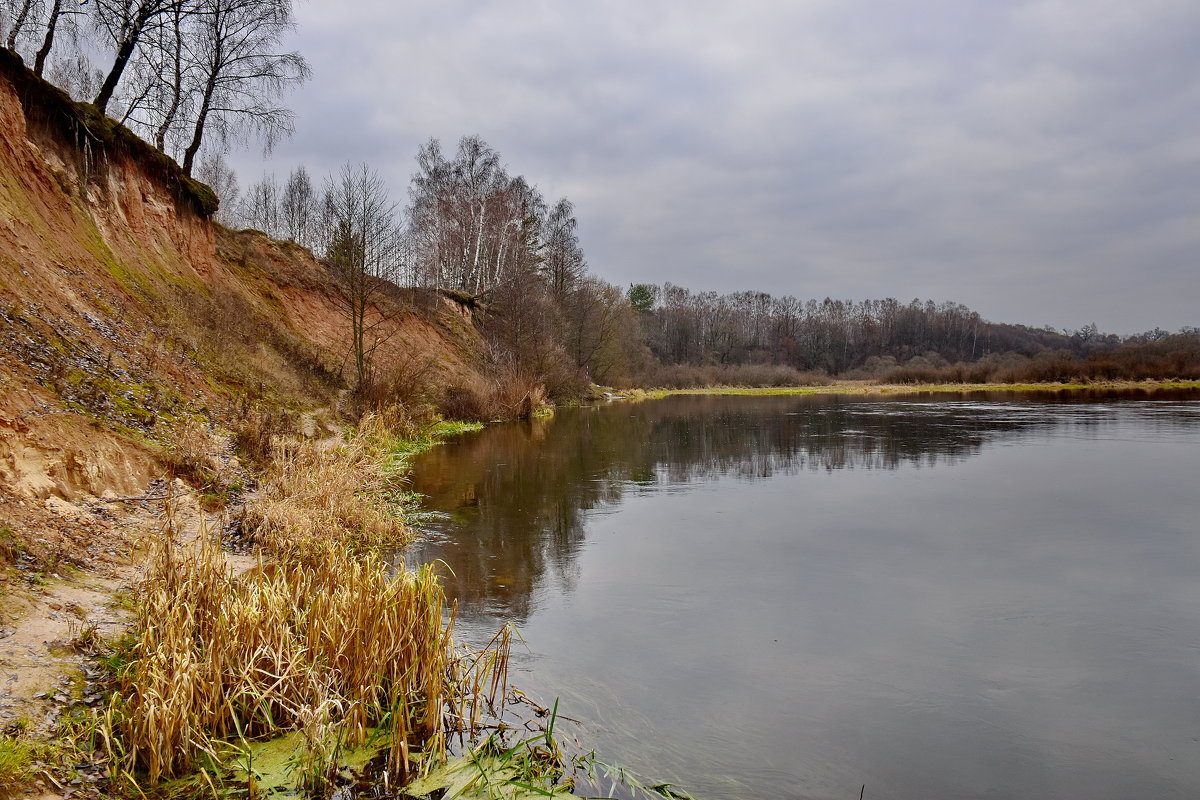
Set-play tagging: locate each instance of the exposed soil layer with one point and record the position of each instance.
(137, 339)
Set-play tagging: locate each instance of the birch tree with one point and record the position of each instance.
(241, 77)
(17, 14)
(125, 23)
(297, 207)
(472, 225)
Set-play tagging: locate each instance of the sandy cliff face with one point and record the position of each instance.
(125, 312)
(61, 309)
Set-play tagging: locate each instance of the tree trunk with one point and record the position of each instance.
(189, 155)
(18, 23)
(160, 136)
(48, 42)
(124, 52)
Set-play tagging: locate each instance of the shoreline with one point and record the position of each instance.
(867, 388)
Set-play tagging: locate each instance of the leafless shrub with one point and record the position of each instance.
(255, 429)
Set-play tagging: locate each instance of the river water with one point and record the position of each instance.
(967, 596)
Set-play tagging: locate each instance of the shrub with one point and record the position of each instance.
(255, 430)
(507, 397)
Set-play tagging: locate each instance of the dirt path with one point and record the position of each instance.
(47, 621)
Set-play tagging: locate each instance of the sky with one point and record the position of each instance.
(1036, 161)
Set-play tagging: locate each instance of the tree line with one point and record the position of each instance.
(884, 340)
(190, 76)
(474, 230)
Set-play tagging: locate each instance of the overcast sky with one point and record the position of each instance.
(1037, 161)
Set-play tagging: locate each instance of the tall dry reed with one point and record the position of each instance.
(335, 639)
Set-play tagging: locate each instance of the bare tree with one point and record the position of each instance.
(174, 72)
(362, 247)
(297, 207)
(159, 82)
(125, 23)
(60, 10)
(241, 78)
(563, 263)
(221, 179)
(75, 74)
(472, 226)
(260, 206)
(19, 12)
(600, 329)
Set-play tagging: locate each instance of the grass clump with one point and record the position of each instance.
(313, 493)
(16, 766)
(334, 647)
(350, 492)
(257, 429)
(11, 546)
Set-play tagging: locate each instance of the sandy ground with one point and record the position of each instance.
(48, 619)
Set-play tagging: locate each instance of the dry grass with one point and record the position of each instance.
(256, 429)
(505, 397)
(191, 454)
(333, 644)
(326, 640)
(314, 493)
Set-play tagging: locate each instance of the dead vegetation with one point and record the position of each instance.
(324, 637)
(336, 639)
(316, 492)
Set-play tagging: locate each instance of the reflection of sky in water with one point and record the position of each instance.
(795, 596)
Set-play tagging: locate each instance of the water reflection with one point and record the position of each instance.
(973, 597)
(517, 494)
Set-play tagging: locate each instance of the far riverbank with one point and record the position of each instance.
(869, 388)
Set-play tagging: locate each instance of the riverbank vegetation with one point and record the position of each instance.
(332, 646)
(323, 639)
(872, 388)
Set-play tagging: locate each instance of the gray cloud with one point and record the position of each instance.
(1034, 160)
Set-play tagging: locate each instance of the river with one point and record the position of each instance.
(969, 596)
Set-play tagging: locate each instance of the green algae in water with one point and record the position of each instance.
(276, 764)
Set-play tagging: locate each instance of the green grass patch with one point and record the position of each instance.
(16, 766)
(401, 449)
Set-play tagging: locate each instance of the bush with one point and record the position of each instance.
(506, 397)
(255, 430)
(410, 382)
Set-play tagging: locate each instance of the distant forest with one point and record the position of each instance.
(706, 337)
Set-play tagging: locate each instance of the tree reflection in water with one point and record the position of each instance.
(516, 494)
